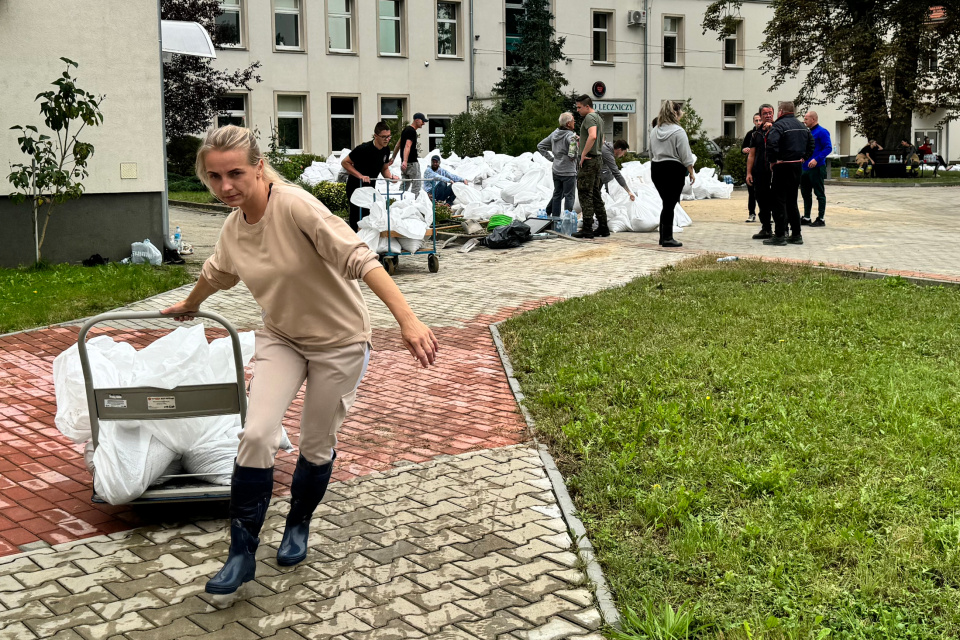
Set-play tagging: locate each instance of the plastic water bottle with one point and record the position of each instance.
(844, 173)
(541, 213)
(177, 238)
(728, 259)
(572, 151)
(568, 225)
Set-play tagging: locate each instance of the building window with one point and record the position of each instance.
(391, 32)
(731, 48)
(229, 23)
(621, 128)
(601, 23)
(291, 127)
(232, 109)
(786, 53)
(447, 30)
(514, 9)
(343, 123)
(731, 119)
(340, 23)
(392, 108)
(672, 32)
(286, 20)
(438, 126)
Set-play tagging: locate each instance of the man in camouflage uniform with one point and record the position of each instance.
(589, 179)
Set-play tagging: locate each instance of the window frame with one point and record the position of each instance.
(245, 96)
(356, 134)
(736, 119)
(301, 31)
(240, 9)
(404, 104)
(457, 30)
(434, 136)
(402, 20)
(678, 34)
(351, 31)
(507, 6)
(611, 16)
(737, 38)
(625, 121)
(304, 118)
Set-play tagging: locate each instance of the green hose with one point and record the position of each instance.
(498, 220)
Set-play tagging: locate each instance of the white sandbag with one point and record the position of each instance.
(389, 245)
(525, 190)
(133, 454)
(411, 245)
(145, 252)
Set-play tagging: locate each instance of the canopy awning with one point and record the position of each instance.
(185, 38)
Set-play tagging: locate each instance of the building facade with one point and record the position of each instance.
(118, 58)
(333, 68)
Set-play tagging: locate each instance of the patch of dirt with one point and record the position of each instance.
(587, 254)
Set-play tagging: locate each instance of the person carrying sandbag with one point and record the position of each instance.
(301, 263)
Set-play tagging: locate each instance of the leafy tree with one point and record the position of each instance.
(536, 118)
(191, 86)
(692, 123)
(58, 163)
(535, 53)
(885, 59)
(475, 131)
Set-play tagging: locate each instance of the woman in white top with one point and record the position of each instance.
(302, 265)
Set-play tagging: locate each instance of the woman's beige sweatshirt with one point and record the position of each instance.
(301, 263)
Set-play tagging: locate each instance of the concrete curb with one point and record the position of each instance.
(866, 183)
(186, 204)
(584, 549)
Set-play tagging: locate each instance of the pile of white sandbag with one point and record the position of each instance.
(518, 187)
(410, 217)
(133, 455)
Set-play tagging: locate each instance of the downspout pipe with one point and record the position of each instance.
(164, 202)
(472, 53)
(646, 73)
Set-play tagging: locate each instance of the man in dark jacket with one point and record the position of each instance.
(758, 172)
(788, 143)
(747, 144)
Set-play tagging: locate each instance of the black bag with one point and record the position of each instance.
(507, 236)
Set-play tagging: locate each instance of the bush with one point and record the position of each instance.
(444, 212)
(475, 131)
(184, 183)
(291, 167)
(735, 164)
(333, 195)
(182, 155)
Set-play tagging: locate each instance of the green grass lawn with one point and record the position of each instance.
(39, 297)
(202, 197)
(771, 450)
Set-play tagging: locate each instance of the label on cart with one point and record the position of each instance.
(158, 403)
(114, 402)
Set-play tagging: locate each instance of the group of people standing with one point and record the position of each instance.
(785, 156)
(585, 163)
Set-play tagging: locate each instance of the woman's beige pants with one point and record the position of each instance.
(332, 376)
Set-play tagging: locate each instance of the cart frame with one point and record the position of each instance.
(151, 403)
(391, 259)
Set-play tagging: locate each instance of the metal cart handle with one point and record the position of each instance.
(152, 315)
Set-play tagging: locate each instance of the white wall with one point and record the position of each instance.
(116, 44)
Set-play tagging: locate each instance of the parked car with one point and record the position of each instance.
(716, 154)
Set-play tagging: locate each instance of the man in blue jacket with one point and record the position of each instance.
(815, 171)
(789, 143)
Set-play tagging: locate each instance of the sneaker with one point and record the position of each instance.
(804, 221)
(818, 223)
(795, 239)
(752, 217)
(776, 241)
(763, 235)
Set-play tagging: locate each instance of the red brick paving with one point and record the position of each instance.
(403, 412)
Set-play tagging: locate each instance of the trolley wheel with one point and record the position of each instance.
(433, 263)
(390, 264)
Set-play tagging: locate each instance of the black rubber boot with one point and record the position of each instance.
(586, 231)
(250, 492)
(306, 491)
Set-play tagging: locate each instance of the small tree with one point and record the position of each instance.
(692, 123)
(57, 165)
(475, 131)
(536, 52)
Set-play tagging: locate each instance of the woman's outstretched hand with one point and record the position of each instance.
(181, 311)
(420, 341)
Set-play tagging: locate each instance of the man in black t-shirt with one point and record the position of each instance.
(758, 172)
(407, 149)
(864, 160)
(747, 145)
(364, 164)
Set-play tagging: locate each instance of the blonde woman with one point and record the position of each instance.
(670, 158)
(301, 263)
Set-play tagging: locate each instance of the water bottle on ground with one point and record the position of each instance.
(728, 259)
(177, 238)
